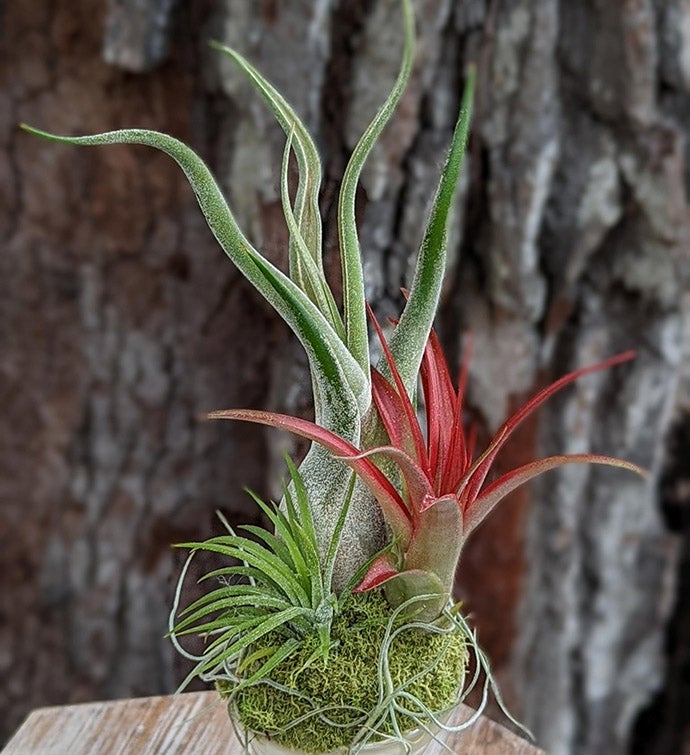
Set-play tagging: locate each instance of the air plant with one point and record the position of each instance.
(442, 497)
(336, 344)
(377, 502)
(284, 587)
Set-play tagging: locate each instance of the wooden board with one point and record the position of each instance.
(192, 723)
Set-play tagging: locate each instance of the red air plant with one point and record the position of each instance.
(443, 496)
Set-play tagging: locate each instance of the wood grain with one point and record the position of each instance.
(191, 723)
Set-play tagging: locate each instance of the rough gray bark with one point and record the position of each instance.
(118, 327)
(137, 33)
(601, 585)
(121, 321)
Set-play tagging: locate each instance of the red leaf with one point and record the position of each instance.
(562, 382)
(381, 570)
(420, 493)
(459, 457)
(388, 497)
(472, 482)
(413, 424)
(534, 403)
(485, 503)
(440, 401)
(392, 412)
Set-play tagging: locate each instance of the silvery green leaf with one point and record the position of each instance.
(308, 161)
(409, 338)
(341, 385)
(350, 253)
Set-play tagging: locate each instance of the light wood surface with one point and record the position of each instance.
(190, 724)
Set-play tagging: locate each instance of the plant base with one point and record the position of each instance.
(380, 679)
(415, 743)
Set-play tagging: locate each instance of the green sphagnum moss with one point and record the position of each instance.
(345, 686)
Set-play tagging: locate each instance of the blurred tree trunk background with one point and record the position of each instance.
(120, 322)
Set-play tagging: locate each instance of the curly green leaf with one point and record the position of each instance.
(335, 372)
(308, 161)
(351, 263)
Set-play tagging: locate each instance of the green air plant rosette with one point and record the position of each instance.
(309, 669)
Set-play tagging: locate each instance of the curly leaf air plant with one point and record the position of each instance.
(367, 537)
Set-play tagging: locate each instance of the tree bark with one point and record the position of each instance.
(121, 322)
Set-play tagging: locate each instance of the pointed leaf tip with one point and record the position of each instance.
(479, 508)
(381, 570)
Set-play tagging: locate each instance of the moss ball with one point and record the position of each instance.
(346, 687)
